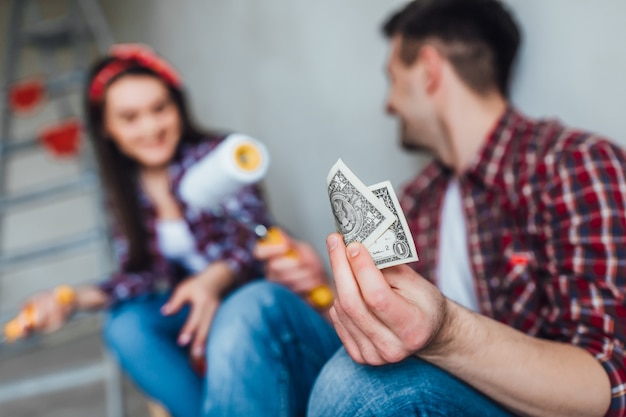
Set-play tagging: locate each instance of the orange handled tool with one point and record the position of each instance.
(322, 296)
(25, 321)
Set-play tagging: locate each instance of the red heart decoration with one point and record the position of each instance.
(26, 95)
(62, 139)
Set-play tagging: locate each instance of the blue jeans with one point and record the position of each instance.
(264, 351)
(412, 387)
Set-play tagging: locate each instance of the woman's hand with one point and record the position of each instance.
(301, 273)
(48, 312)
(203, 292)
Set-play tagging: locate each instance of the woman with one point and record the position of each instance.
(174, 264)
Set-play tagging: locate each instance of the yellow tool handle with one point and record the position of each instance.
(321, 297)
(26, 320)
(275, 236)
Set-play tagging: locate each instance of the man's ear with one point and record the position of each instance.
(432, 61)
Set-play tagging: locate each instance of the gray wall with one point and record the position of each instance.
(306, 77)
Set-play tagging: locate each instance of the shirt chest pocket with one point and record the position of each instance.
(515, 263)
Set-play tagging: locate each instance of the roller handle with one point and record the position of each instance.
(26, 320)
(322, 296)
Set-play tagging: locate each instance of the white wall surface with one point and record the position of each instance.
(306, 77)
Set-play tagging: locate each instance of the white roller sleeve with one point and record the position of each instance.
(236, 162)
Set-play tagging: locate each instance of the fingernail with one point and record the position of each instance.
(353, 249)
(198, 351)
(183, 339)
(331, 242)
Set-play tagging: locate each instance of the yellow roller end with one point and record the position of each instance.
(248, 157)
(322, 297)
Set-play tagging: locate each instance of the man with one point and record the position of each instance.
(521, 224)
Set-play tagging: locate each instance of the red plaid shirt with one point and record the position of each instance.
(545, 209)
(224, 236)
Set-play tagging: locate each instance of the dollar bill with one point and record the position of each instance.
(395, 246)
(359, 215)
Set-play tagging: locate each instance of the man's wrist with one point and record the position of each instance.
(443, 340)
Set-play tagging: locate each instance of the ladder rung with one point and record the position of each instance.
(67, 82)
(52, 33)
(60, 247)
(53, 382)
(12, 146)
(86, 182)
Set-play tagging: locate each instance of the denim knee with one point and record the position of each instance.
(250, 313)
(255, 298)
(345, 388)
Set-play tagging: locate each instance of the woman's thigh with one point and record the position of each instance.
(144, 343)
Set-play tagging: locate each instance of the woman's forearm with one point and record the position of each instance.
(217, 277)
(89, 298)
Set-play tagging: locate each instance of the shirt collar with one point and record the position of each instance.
(488, 162)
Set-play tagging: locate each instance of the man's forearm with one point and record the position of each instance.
(530, 376)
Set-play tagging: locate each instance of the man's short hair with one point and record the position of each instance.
(479, 37)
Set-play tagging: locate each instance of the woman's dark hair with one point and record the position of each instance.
(119, 172)
(480, 38)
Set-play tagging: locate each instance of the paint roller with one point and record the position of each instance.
(237, 162)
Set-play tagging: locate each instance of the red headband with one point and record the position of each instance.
(126, 56)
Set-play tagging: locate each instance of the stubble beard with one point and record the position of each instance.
(410, 143)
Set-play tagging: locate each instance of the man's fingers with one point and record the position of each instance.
(346, 338)
(375, 290)
(345, 282)
(399, 276)
(368, 350)
(377, 293)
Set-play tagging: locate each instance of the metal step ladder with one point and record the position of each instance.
(77, 32)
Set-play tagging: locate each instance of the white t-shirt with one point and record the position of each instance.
(176, 243)
(454, 272)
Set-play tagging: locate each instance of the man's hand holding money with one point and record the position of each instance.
(382, 316)
(384, 311)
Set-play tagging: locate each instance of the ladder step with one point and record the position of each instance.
(65, 83)
(87, 181)
(52, 33)
(53, 382)
(14, 146)
(60, 247)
